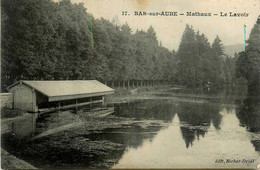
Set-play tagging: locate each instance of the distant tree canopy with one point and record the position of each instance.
(46, 40)
(248, 63)
(200, 64)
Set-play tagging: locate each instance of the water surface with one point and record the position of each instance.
(168, 129)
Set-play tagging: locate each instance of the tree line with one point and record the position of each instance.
(47, 40)
(200, 64)
(248, 61)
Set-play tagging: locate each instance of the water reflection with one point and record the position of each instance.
(173, 131)
(19, 127)
(147, 109)
(196, 119)
(166, 150)
(248, 113)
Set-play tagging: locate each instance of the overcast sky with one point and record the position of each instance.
(169, 29)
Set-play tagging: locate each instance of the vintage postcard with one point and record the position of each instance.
(121, 84)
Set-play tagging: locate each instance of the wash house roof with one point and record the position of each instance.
(65, 90)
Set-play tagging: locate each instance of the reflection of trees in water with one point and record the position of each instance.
(198, 118)
(256, 144)
(147, 109)
(248, 113)
(189, 135)
(228, 95)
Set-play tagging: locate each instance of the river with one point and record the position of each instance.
(168, 128)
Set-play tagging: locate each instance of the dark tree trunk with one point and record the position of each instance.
(123, 84)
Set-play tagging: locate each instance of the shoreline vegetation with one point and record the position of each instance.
(55, 44)
(121, 94)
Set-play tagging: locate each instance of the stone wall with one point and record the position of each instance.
(6, 100)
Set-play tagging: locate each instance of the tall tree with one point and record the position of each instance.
(204, 59)
(29, 47)
(187, 58)
(217, 64)
(248, 63)
(128, 49)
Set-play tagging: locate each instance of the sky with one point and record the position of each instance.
(169, 29)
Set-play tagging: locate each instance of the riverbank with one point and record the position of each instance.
(9, 161)
(123, 95)
(173, 92)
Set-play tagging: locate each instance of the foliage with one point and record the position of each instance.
(201, 65)
(46, 40)
(248, 63)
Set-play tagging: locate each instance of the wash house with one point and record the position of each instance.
(37, 96)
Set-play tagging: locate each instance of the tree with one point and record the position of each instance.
(248, 64)
(47, 40)
(187, 59)
(217, 64)
(205, 71)
(29, 48)
(128, 50)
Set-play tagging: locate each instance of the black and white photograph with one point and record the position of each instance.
(130, 84)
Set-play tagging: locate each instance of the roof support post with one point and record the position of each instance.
(59, 106)
(76, 104)
(103, 101)
(90, 102)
